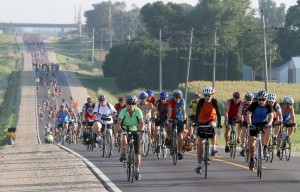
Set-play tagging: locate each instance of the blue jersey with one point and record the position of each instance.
(62, 117)
(286, 117)
(260, 114)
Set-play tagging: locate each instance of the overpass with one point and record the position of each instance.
(39, 25)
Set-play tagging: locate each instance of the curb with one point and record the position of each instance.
(108, 184)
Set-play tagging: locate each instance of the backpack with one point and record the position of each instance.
(108, 105)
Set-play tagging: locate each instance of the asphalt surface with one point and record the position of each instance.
(224, 173)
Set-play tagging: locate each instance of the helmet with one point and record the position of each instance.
(121, 99)
(70, 109)
(255, 95)
(288, 100)
(236, 94)
(143, 95)
(62, 105)
(89, 100)
(131, 100)
(177, 93)
(198, 95)
(261, 95)
(101, 97)
(249, 96)
(208, 90)
(163, 95)
(271, 97)
(149, 92)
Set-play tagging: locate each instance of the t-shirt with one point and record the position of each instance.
(130, 121)
(89, 114)
(260, 114)
(162, 109)
(106, 111)
(176, 108)
(208, 113)
(152, 100)
(233, 109)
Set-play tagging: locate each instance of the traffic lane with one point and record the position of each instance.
(162, 175)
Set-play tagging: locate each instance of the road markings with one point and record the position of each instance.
(219, 158)
(99, 174)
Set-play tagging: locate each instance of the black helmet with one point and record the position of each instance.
(131, 100)
(89, 100)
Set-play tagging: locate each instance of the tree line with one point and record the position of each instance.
(133, 39)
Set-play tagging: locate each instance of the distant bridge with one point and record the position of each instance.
(39, 25)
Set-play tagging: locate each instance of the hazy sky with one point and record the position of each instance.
(63, 11)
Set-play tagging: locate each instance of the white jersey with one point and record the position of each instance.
(104, 110)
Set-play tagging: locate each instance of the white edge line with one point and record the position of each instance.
(96, 171)
(37, 120)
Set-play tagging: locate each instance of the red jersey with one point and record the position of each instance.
(118, 107)
(233, 109)
(89, 114)
(152, 100)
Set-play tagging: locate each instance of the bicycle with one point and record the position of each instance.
(259, 149)
(286, 146)
(160, 146)
(271, 145)
(145, 140)
(90, 140)
(71, 132)
(129, 162)
(174, 141)
(119, 141)
(232, 139)
(106, 138)
(208, 132)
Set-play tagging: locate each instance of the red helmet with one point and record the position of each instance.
(236, 94)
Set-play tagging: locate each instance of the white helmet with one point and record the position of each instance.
(248, 96)
(261, 95)
(208, 90)
(271, 97)
(288, 100)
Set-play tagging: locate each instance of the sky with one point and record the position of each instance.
(63, 11)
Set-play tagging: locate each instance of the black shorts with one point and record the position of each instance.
(136, 142)
(202, 132)
(253, 132)
(160, 121)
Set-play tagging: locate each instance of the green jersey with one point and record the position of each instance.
(130, 121)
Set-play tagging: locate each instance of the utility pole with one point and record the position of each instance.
(93, 48)
(226, 68)
(160, 63)
(188, 66)
(110, 27)
(265, 49)
(270, 69)
(101, 51)
(214, 59)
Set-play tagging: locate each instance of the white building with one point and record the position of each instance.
(289, 72)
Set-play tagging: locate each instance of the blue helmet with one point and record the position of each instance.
(143, 95)
(163, 95)
(149, 92)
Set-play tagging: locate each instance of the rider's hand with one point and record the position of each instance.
(184, 121)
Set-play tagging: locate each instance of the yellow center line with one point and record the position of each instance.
(219, 158)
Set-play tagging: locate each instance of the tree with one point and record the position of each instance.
(274, 16)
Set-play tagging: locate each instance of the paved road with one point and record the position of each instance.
(224, 174)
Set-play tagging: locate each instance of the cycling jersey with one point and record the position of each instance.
(286, 117)
(162, 109)
(130, 121)
(152, 100)
(106, 111)
(244, 110)
(260, 113)
(62, 117)
(193, 106)
(118, 107)
(176, 108)
(207, 112)
(233, 109)
(89, 114)
(276, 108)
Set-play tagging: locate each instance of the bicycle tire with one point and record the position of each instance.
(282, 149)
(271, 149)
(118, 144)
(103, 145)
(157, 144)
(288, 150)
(70, 135)
(146, 143)
(132, 163)
(206, 156)
(175, 153)
(92, 140)
(232, 144)
(259, 160)
(108, 145)
(128, 159)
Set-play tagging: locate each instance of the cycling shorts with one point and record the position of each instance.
(180, 126)
(136, 142)
(253, 132)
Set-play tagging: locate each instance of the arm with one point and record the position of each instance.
(183, 112)
(240, 112)
(270, 118)
(198, 109)
(152, 111)
(119, 124)
(248, 117)
(141, 124)
(169, 112)
(293, 115)
(218, 114)
(227, 106)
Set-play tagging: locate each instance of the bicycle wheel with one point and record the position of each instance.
(146, 143)
(69, 135)
(282, 148)
(288, 149)
(108, 145)
(158, 146)
(175, 153)
(103, 143)
(154, 145)
(119, 143)
(132, 163)
(259, 160)
(164, 149)
(92, 140)
(206, 156)
(232, 144)
(128, 163)
(271, 149)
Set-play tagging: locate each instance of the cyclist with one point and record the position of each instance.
(72, 121)
(231, 111)
(119, 106)
(131, 119)
(192, 113)
(242, 119)
(161, 107)
(277, 117)
(259, 113)
(103, 109)
(288, 116)
(61, 119)
(151, 98)
(88, 115)
(176, 110)
(207, 113)
(147, 110)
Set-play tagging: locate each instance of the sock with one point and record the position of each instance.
(214, 147)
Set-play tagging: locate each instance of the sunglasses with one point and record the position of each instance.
(249, 100)
(163, 99)
(178, 97)
(261, 99)
(237, 97)
(101, 100)
(207, 95)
